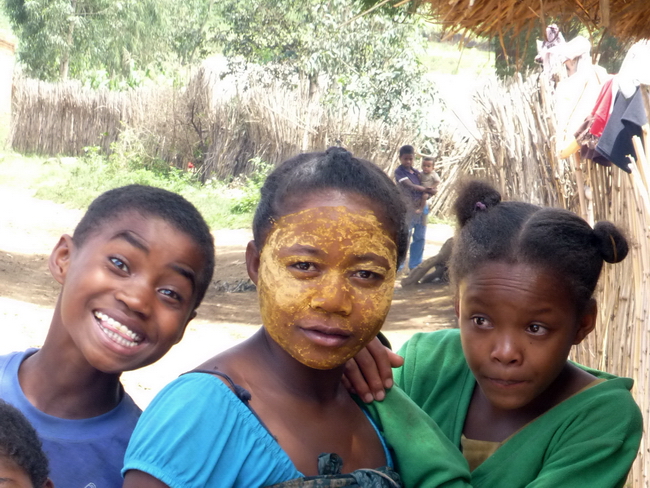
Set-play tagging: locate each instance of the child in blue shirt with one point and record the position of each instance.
(132, 276)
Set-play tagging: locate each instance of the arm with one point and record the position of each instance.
(409, 184)
(598, 446)
(423, 455)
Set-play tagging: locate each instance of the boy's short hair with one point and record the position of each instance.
(407, 149)
(152, 202)
(428, 158)
(20, 443)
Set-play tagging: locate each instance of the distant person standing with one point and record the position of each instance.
(408, 179)
(430, 180)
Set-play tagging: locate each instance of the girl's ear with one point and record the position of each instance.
(252, 261)
(48, 483)
(60, 258)
(457, 306)
(587, 322)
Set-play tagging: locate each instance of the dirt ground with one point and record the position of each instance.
(29, 228)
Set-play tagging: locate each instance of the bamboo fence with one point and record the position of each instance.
(517, 153)
(218, 134)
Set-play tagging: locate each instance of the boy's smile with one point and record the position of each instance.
(518, 323)
(326, 277)
(128, 291)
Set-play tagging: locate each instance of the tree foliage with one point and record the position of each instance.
(370, 61)
(69, 38)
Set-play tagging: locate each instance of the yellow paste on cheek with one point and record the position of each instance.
(332, 292)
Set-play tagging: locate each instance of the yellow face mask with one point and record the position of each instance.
(325, 283)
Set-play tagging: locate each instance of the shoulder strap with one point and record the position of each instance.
(240, 392)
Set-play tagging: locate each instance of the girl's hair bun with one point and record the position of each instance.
(610, 242)
(474, 196)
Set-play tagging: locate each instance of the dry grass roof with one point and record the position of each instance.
(625, 19)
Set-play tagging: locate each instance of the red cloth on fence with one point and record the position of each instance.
(602, 109)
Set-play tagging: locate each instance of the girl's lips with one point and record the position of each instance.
(505, 383)
(327, 336)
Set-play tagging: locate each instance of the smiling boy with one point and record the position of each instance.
(132, 276)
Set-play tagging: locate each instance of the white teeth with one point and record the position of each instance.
(134, 336)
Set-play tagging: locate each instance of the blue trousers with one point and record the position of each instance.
(417, 235)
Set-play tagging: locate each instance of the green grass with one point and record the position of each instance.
(75, 182)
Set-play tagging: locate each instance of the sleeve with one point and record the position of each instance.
(423, 455)
(400, 174)
(598, 446)
(196, 433)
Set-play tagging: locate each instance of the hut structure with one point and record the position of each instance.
(519, 150)
(625, 19)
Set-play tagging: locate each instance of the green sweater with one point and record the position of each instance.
(589, 440)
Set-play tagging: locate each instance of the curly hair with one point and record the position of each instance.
(20, 443)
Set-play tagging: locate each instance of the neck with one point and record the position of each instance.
(59, 381)
(291, 375)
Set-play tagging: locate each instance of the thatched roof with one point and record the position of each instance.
(625, 19)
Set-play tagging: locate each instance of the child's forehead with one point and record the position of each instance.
(11, 470)
(138, 222)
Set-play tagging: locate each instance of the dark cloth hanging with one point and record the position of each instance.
(625, 121)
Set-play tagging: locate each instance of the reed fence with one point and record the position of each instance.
(517, 153)
(219, 131)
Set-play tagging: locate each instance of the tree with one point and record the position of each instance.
(66, 38)
(370, 61)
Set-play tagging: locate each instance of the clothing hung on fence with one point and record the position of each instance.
(626, 120)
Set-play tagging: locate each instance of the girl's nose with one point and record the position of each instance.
(333, 296)
(136, 294)
(506, 351)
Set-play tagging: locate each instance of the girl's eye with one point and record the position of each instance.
(119, 264)
(171, 294)
(481, 322)
(367, 275)
(304, 266)
(537, 329)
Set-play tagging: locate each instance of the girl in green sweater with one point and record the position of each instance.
(500, 387)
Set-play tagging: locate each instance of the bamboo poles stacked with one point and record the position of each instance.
(512, 117)
(219, 135)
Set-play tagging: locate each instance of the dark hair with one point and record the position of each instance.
(517, 232)
(152, 202)
(428, 158)
(336, 169)
(407, 149)
(20, 443)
